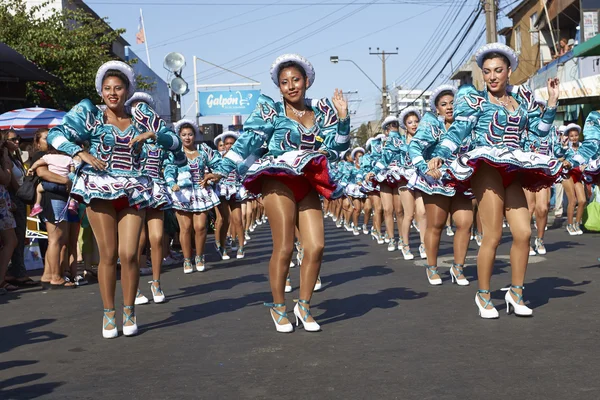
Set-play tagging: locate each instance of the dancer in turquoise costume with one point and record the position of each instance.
(111, 182)
(353, 189)
(573, 181)
(152, 165)
(231, 193)
(387, 173)
(374, 147)
(345, 167)
(440, 200)
(300, 134)
(192, 197)
(538, 201)
(496, 168)
(588, 156)
(412, 201)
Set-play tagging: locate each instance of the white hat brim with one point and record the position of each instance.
(303, 62)
(119, 66)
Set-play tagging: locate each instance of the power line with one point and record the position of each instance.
(461, 41)
(238, 4)
(436, 35)
(295, 41)
(179, 40)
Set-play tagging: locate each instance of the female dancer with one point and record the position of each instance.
(353, 189)
(152, 164)
(538, 201)
(299, 134)
(412, 202)
(345, 168)
(587, 157)
(496, 168)
(440, 200)
(231, 196)
(192, 198)
(386, 172)
(573, 183)
(111, 183)
(367, 162)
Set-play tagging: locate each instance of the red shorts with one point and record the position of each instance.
(315, 176)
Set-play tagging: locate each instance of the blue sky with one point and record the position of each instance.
(249, 35)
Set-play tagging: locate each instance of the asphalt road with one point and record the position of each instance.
(386, 333)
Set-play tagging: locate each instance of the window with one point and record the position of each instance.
(535, 35)
(518, 39)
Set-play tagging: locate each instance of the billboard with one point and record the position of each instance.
(227, 102)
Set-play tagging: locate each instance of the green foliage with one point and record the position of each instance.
(71, 44)
(362, 134)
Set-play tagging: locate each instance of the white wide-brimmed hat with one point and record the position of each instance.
(404, 113)
(226, 135)
(497, 48)
(573, 126)
(541, 102)
(357, 150)
(436, 93)
(140, 97)
(388, 120)
(562, 129)
(178, 124)
(119, 66)
(298, 59)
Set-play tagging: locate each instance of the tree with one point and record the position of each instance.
(362, 134)
(71, 44)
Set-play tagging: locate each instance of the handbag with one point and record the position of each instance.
(28, 190)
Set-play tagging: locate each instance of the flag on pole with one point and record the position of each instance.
(140, 36)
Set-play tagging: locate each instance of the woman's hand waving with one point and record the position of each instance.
(340, 103)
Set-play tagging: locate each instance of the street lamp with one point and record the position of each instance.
(336, 59)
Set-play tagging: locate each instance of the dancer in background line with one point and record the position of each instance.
(192, 198)
(440, 200)
(387, 173)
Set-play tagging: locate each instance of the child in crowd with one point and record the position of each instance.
(60, 164)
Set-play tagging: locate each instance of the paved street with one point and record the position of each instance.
(386, 333)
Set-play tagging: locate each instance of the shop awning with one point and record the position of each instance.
(14, 66)
(588, 48)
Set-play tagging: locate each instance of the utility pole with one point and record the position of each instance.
(489, 7)
(383, 55)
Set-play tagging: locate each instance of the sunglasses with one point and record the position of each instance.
(15, 139)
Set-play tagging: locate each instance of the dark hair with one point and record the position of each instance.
(117, 74)
(16, 156)
(291, 64)
(442, 94)
(495, 54)
(37, 136)
(187, 125)
(409, 114)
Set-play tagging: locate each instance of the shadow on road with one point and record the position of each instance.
(364, 272)
(24, 392)
(210, 309)
(217, 286)
(356, 306)
(540, 291)
(22, 334)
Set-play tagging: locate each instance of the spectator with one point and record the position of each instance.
(57, 221)
(562, 48)
(570, 44)
(17, 273)
(8, 238)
